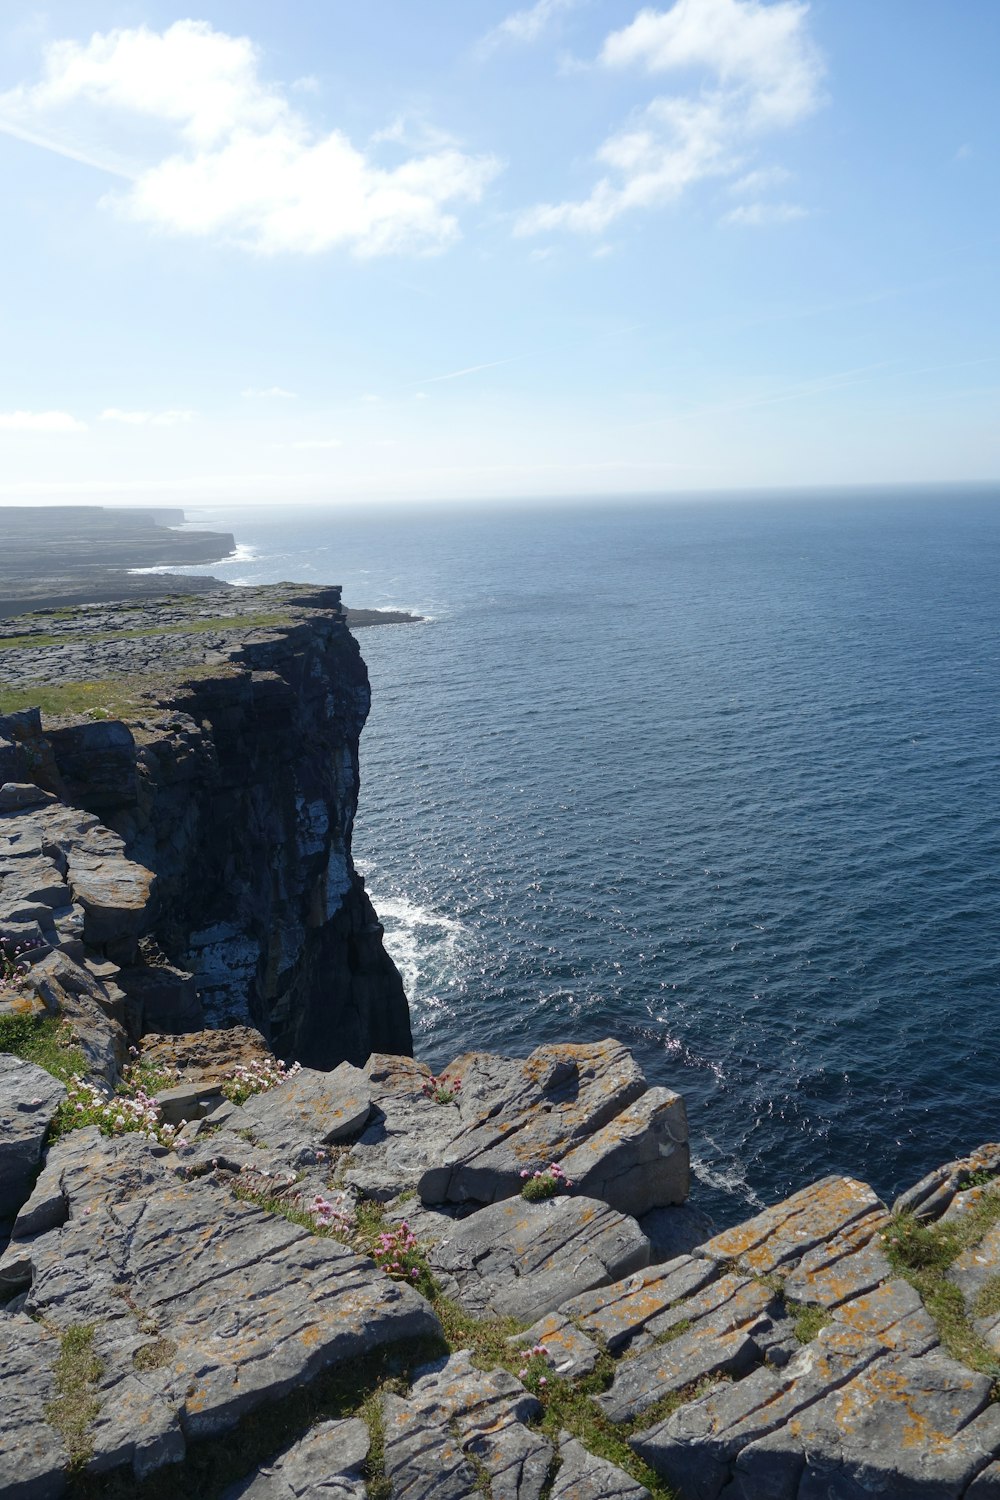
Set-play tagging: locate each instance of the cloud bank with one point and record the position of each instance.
(226, 154)
(760, 73)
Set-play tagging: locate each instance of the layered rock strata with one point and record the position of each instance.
(194, 858)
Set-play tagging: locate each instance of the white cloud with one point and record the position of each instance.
(226, 155)
(760, 181)
(319, 443)
(170, 418)
(759, 72)
(40, 421)
(758, 214)
(525, 26)
(271, 392)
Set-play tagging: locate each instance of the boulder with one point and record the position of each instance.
(29, 1098)
(309, 1109)
(640, 1160)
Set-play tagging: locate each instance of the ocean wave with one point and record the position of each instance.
(425, 945)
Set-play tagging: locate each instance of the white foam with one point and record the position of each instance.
(425, 945)
(725, 1176)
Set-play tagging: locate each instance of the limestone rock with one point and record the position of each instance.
(29, 1098)
(571, 1353)
(236, 1305)
(522, 1260)
(457, 1419)
(326, 1464)
(581, 1476)
(310, 1109)
(728, 1319)
(639, 1161)
(206, 1057)
(933, 1194)
(782, 1235)
(618, 1314)
(33, 1458)
(517, 1116)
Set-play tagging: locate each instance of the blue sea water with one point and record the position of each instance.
(718, 777)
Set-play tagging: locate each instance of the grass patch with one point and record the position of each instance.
(75, 1405)
(45, 1041)
(987, 1303)
(106, 697)
(155, 1355)
(923, 1254)
(97, 637)
(808, 1319)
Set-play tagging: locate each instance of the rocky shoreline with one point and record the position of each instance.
(225, 1274)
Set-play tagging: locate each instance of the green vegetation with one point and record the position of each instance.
(75, 1406)
(809, 1319)
(141, 632)
(923, 1254)
(45, 1041)
(155, 1355)
(104, 698)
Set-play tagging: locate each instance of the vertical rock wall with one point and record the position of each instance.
(238, 788)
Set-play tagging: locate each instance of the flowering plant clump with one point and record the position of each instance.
(443, 1088)
(535, 1370)
(256, 1077)
(12, 965)
(129, 1110)
(334, 1216)
(544, 1183)
(398, 1254)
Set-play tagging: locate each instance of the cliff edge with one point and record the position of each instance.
(201, 756)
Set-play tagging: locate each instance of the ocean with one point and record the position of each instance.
(716, 776)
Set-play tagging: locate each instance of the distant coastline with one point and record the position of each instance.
(59, 557)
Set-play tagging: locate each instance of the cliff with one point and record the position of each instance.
(216, 741)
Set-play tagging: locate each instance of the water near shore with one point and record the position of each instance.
(717, 778)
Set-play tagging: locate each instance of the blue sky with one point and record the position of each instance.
(458, 250)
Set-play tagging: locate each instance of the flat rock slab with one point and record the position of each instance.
(902, 1429)
(458, 1421)
(522, 1260)
(581, 1476)
(520, 1115)
(203, 1307)
(721, 1342)
(618, 1313)
(327, 1464)
(309, 1109)
(782, 1235)
(845, 1266)
(29, 1098)
(694, 1448)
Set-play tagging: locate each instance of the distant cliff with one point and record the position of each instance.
(217, 736)
(63, 555)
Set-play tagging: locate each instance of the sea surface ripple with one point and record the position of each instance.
(718, 778)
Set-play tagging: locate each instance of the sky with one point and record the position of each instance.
(331, 252)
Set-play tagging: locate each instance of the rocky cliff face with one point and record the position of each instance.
(231, 782)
